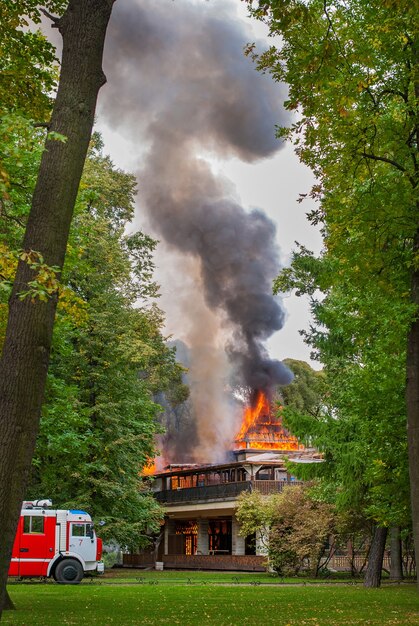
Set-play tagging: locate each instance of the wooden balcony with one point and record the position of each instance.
(221, 491)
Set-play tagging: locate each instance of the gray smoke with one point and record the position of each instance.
(180, 85)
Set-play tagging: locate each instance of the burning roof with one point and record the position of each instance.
(261, 430)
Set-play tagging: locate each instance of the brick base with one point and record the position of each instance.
(233, 563)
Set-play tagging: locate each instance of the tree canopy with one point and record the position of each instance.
(108, 361)
(108, 353)
(352, 73)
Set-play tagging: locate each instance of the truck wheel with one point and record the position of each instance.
(68, 571)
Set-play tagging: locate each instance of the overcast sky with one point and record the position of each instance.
(271, 183)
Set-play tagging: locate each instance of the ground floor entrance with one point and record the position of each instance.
(201, 536)
(203, 541)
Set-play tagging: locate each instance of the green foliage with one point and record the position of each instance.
(108, 360)
(255, 514)
(21, 147)
(28, 72)
(365, 451)
(27, 60)
(305, 393)
(352, 74)
(294, 525)
(109, 357)
(45, 282)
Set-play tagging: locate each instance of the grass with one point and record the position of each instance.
(210, 598)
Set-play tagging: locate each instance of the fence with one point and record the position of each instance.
(342, 563)
(243, 563)
(266, 487)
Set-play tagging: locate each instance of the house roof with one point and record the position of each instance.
(259, 458)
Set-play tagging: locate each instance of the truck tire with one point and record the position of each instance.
(68, 572)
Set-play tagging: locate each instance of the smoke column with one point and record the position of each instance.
(180, 85)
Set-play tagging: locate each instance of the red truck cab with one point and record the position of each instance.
(55, 542)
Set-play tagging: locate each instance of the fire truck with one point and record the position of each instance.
(58, 543)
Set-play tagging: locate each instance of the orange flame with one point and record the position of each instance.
(252, 414)
(150, 468)
(260, 430)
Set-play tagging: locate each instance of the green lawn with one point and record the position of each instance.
(203, 598)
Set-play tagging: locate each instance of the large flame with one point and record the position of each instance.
(252, 414)
(149, 468)
(262, 431)
(154, 465)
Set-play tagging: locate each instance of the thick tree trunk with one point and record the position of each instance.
(412, 362)
(8, 604)
(375, 558)
(396, 563)
(24, 362)
(412, 401)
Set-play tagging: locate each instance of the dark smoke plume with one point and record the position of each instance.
(180, 85)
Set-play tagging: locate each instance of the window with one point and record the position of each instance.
(33, 525)
(78, 530)
(189, 531)
(81, 530)
(219, 532)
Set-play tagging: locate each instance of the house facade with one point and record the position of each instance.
(201, 530)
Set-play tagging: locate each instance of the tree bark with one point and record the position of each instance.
(412, 401)
(396, 564)
(375, 558)
(412, 363)
(8, 603)
(24, 361)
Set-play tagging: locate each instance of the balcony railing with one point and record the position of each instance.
(221, 491)
(266, 487)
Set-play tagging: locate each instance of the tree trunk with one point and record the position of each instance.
(412, 401)
(156, 547)
(24, 361)
(396, 564)
(375, 558)
(412, 364)
(8, 603)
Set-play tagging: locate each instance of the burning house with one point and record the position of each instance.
(218, 257)
(200, 500)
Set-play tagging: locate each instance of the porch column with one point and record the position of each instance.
(203, 540)
(169, 529)
(237, 542)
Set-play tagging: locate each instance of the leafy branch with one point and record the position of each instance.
(45, 283)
